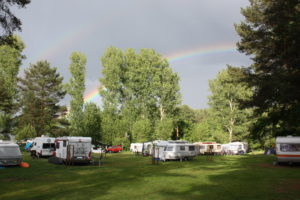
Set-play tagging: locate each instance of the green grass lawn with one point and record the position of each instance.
(126, 176)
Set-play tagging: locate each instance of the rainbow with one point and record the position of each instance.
(214, 49)
(94, 94)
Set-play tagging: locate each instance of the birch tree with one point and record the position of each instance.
(227, 91)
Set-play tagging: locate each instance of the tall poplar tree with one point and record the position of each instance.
(41, 93)
(270, 35)
(75, 89)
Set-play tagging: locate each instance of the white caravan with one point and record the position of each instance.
(10, 154)
(209, 148)
(288, 149)
(235, 148)
(136, 147)
(42, 146)
(174, 150)
(72, 150)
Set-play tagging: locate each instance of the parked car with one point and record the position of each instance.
(114, 149)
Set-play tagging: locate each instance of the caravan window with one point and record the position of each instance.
(191, 148)
(182, 148)
(169, 149)
(57, 145)
(64, 143)
(289, 147)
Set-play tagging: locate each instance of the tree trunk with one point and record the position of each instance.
(177, 132)
(162, 112)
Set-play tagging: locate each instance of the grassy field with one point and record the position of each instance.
(126, 176)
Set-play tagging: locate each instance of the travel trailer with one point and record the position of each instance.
(209, 148)
(42, 146)
(136, 147)
(235, 148)
(174, 150)
(288, 149)
(71, 150)
(10, 154)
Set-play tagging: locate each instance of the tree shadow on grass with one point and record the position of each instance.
(249, 179)
(125, 176)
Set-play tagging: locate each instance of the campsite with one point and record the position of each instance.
(127, 176)
(163, 100)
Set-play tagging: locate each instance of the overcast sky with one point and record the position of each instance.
(52, 30)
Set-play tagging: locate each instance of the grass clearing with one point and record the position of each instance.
(126, 176)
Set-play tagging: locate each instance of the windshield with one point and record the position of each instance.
(9, 151)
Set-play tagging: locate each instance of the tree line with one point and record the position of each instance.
(141, 94)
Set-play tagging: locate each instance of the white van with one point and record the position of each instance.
(42, 146)
(72, 150)
(288, 149)
(10, 154)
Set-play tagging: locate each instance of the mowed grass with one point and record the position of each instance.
(127, 176)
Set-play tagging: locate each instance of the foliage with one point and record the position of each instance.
(142, 130)
(92, 122)
(184, 120)
(227, 91)
(270, 35)
(41, 92)
(8, 21)
(27, 131)
(76, 88)
(10, 61)
(164, 129)
(137, 86)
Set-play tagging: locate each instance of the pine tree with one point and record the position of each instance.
(41, 92)
(10, 61)
(270, 35)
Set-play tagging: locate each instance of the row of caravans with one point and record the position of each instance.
(62, 149)
(233, 148)
(200, 148)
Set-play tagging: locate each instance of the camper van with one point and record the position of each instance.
(72, 150)
(209, 148)
(10, 154)
(42, 147)
(288, 149)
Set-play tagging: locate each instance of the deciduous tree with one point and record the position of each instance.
(75, 89)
